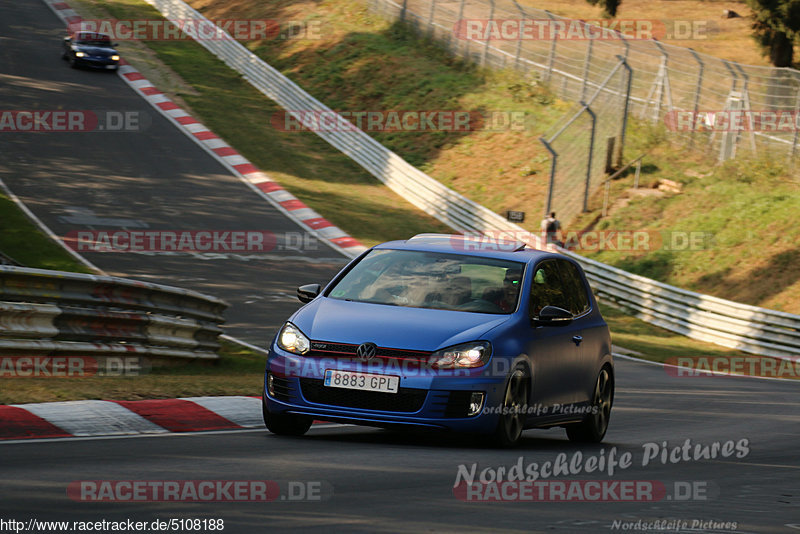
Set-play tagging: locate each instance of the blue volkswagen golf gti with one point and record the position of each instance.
(446, 332)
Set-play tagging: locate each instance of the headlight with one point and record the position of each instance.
(115, 57)
(293, 340)
(474, 354)
(80, 54)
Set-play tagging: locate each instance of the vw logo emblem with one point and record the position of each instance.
(366, 351)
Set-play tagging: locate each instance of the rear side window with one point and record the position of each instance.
(574, 288)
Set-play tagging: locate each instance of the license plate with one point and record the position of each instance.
(361, 381)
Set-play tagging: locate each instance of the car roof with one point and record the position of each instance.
(480, 246)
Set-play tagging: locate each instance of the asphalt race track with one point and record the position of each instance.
(368, 480)
(156, 179)
(374, 480)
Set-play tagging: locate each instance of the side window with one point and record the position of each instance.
(547, 288)
(575, 291)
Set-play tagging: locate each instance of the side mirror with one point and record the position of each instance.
(552, 316)
(67, 39)
(308, 292)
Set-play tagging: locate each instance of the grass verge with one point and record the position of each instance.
(22, 240)
(239, 371)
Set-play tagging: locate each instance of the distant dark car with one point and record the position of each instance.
(442, 332)
(88, 49)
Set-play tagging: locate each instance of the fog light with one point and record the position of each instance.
(270, 385)
(475, 403)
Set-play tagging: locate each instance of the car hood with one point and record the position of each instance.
(420, 329)
(96, 50)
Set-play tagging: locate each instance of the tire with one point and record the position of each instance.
(512, 419)
(285, 424)
(72, 62)
(593, 428)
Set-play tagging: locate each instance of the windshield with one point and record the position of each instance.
(92, 39)
(433, 280)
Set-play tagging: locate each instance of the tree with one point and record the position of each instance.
(609, 6)
(776, 24)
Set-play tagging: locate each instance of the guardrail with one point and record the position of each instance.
(746, 328)
(723, 322)
(56, 312)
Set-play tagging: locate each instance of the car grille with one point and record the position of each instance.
(324, 349)
(458, 404)
(405, 400)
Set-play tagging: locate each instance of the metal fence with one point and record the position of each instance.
(588, 145)
(665, 78)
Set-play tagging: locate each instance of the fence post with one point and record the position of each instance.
(488, 35)
(746, 98)
(463, 33)
(636, 176)
(696, 107)
(519, 36)
(724, 150)
(431, 13)
(626, 107)
(605, 197)
(586, 67)
(403, 10)
(552, 54)
(663, 82)
(553, 164)
(589, 161)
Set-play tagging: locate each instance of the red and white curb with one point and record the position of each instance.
(124, 418)
(237, 164)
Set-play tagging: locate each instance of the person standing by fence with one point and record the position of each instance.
(550, 228)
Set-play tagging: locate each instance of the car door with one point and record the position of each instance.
(576, 292)
(555, 350)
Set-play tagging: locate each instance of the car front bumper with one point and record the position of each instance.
(97, 63)
(426, 398)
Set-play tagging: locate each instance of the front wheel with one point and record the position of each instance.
(285, 424)
(512, 417)
(593, 428)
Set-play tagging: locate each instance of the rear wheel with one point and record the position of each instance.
(593, 428)
(512, 418)
(285, 424)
